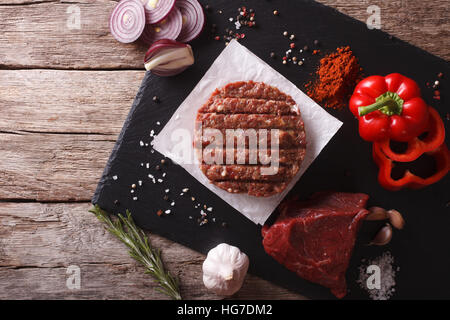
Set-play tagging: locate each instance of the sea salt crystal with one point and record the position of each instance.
(141, 143)
(114, 177)
(387, 273)
(238, 25)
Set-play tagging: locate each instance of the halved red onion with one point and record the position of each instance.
(157, 10)
(168, 57)
(193, 19)
(169, 28)
(127, 21)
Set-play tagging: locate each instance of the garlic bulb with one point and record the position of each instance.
(224, 269)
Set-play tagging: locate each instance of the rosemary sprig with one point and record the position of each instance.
(140, 249)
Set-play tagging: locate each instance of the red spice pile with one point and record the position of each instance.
(337, 75)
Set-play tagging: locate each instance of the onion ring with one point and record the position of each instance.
(127, 21)
(157, 10)
(169, 28)
(193, 19)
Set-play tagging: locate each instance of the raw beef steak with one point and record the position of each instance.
(315, 238)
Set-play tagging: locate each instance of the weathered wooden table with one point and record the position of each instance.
(64, 94)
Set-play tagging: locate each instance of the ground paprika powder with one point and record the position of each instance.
(337, 75)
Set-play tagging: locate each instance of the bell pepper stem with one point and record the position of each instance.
(388, 103)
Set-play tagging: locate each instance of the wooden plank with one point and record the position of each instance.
(39, 241)
(52, 167)
(45, 38)
(37, 35)
(66, 101)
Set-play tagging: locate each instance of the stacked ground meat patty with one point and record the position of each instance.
(251, 105)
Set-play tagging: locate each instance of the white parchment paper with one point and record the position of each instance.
(237, 63)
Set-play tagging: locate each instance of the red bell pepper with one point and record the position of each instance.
(416, 147)
(389, 107)
(441, 156)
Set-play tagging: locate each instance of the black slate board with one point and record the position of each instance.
(421, 250)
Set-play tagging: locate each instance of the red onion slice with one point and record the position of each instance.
(157, 10)
(127, 21)
(169, 28)
(193, 19)
(168, 57)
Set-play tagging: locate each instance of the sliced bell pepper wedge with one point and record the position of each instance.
(410, 180)
(416, 146)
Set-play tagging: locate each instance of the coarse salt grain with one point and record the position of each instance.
(387, 273)
(114, 177)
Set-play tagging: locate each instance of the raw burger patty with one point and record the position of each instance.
(251, 105)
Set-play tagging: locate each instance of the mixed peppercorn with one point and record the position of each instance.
(244, 18)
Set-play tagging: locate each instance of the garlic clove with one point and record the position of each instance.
(376, 213)
(383, 236)
(396, 219)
